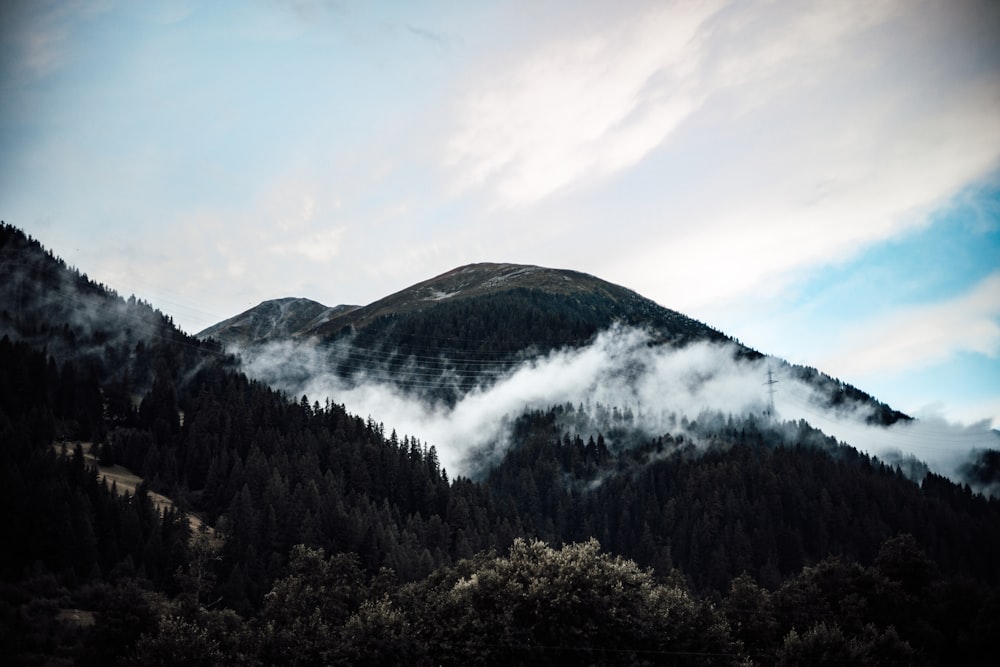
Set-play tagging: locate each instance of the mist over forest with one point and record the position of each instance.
(661, 389)
(592, 480)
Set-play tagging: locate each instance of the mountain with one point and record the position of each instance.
(445, 336)
(471, 307)
(567, 307)
(722, 539)
(470, 326)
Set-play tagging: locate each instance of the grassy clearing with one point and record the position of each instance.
(126, 480)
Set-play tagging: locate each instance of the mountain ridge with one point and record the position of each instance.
(481, 315)
(464, 282)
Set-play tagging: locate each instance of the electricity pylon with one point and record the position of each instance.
(770, 391)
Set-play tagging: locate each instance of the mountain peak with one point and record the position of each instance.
(274, 319)
(528, 291)
(480, 278)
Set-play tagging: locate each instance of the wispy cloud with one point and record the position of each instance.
(35, 36)
(832, 149)
(924, 335)
(587, 104)
(309, 10)
(439, 39)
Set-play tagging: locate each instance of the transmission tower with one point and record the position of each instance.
(770, 391)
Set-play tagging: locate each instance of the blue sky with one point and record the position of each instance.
(820, 180)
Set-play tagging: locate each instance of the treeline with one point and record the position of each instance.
(551, 310)
(57, 308)
(64, 529)
(538, 605)
(267, 471)
(271, 473)
(60, 519)
(841, 395)
(754, 496)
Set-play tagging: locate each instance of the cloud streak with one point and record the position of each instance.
(925, 334)
(589, 104)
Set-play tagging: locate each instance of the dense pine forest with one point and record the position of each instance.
(302, 534)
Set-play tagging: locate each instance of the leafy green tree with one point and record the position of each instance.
(901, 560)
(380, 634)
(824, 644)
(541, 605)
(178, 641)
(749, 610)
(302, 614)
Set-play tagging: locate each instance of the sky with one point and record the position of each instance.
(819, 180)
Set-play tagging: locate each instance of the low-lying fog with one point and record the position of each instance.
(659, 385)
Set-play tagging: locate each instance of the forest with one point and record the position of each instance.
(328, 538)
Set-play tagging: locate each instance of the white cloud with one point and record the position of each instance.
(618, 369)
(598, 99)
(300, 221)
(775, 45)
(823, 189)
(583, 105)
(661, 385)
(965, 412)
(924, 335)
(812, 130)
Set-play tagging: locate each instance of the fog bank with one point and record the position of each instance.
(661, 386)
